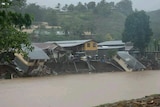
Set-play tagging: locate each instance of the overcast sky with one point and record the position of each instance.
(147, 5)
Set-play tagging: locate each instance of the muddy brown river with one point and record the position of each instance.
(82, 90)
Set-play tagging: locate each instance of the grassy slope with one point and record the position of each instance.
(113, 24)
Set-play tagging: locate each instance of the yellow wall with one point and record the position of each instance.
(91, 47)
(20, 57)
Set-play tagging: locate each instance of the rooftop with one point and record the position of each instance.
(109, 43)
(46, 45)
(37, 53)
(70, 43)
(111, 47)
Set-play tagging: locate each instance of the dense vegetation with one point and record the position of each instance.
(137, 30)
(100, 19)
(155, 22)
(11, 37)
(105, 20)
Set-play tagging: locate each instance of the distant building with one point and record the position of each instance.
(44, 25)
(61, 33)
(87, 35)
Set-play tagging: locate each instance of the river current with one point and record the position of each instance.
(81, 90)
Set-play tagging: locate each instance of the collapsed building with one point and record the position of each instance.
(119, 53)
(54, 57)
(33, 61)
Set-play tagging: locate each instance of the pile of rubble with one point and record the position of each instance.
(147, 101)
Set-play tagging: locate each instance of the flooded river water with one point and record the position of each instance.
(82, 90)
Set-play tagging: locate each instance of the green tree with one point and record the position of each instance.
(91, 5)
(108, 37)
(90, 27)
(71, 7)
(36, 11)
(18, 5)
(51, 16)
(65, 7)
(125, 7)
(12, 40)
(137, 30)
(103, 8)
(58, 7)
(80, 7)
(66, 26)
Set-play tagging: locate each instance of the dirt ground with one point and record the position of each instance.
(147, 101)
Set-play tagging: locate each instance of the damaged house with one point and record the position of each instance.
(120, 55)
(53, 50)
(34, 60)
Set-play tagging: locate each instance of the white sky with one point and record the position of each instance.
(147, 5)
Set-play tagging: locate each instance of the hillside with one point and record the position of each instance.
(102, 20)
(155, 22)
(113, 25)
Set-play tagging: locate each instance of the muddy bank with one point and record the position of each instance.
(147, 101)
(81, 67)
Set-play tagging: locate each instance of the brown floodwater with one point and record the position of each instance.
(82, 90)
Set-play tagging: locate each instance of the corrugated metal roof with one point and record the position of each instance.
(46, 45)
(111, 47)
(37, 53)
(108, 43)
(70, 43)
(130, 60)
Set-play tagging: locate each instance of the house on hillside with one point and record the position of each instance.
(87, 35)
(88, 46)
(33, 60)
(60, 33)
